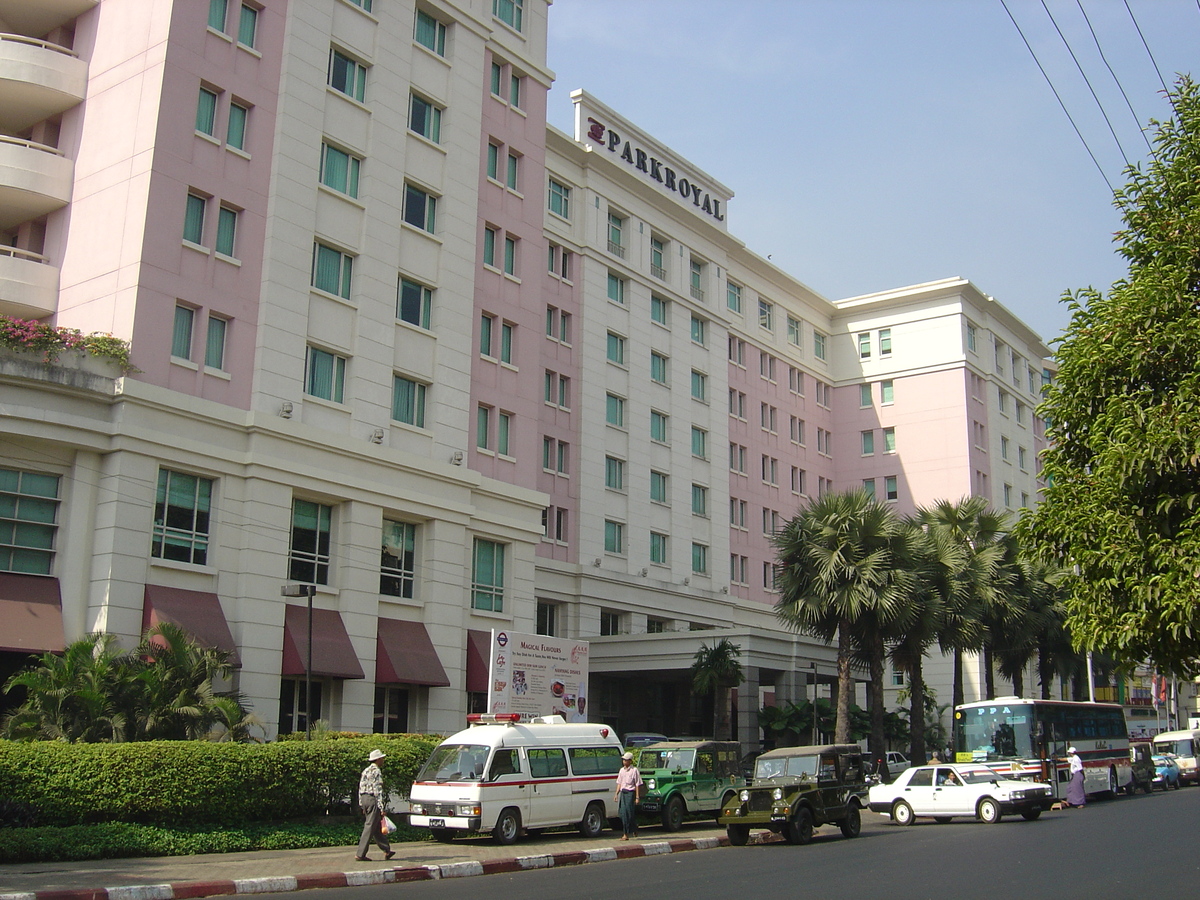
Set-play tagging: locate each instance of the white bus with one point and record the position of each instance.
(1183, 745)
(1026, 738)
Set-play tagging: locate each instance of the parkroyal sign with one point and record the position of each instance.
(535, 675)
(593, 126)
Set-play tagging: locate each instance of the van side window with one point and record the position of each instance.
(547, 762)
(504, 762)
(704, 763)
(828, 770)
(595, 760)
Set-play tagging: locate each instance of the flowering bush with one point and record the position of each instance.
(28, 334)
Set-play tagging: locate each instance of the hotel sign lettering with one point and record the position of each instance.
(654, 168)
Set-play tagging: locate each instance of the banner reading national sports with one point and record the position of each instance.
(536, 675)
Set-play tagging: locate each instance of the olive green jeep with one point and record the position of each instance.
(684, 777)
(797, 789)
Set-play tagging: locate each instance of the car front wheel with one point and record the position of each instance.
(800, 829)
(902, 813)
(672, 814)
(1030, 814)
(989, 811)
(738, 834)
(852, 824)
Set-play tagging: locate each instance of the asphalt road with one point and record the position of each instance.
(1146, 845)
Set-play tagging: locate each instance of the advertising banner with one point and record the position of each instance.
(536, 675)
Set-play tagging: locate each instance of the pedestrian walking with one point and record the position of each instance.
(1076, 796)
(629, 785)
(370, 801)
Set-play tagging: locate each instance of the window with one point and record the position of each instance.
(558, 325)
(556, 455)
(206, 112)
(616, 288)
(796, 430)
(795, 331)
(1020, 412)
(738, 568)
(364, 5)
(332, 270)
(615, 351)
(487, 327)
(493, 162)
(430, 33)
(658, 258)
(1008, 495)
(699, 386)
(294, 705)
(658, 426)
(193, 219)
(733, 296)
(890, 489)
(696, 279)
(214, 345)
(824, 442)
(181, 333)
(616, 231)
(658, 556)
(558, 390)
(507, 330)
(795, 381)
(408, 401)
(1003, 447)
(347, 76)
(248, 26)
(483, 427)
(559, 263)
(420, 208)
(770, 521)
(512, 177)
(798, 478)
(503, 430)
(864, 345)
(217, 10)
(339, 170)
(614, 537)
(614, 410)
(699, 331)
(737, 513)
(487, 576)
(227, 220)
(766, 315)
(497, 76)
(768, 417)
(489, 246)
(325, 376)
(770, 470)
(614, 473)
(397, 569)
(1002, 400)
(737, 352)
(737, 458)
(390, 713)
(699, 500)
(699, 443)
(824, 394)
(510, 255)
(413, 303)
(887, 394)
(560, 199)
(972, 337)
(514, 90)
(181, 517)
(610, 622)
(1022, 459)
(509, 12)
(235, 131)
(869, 487)
(308, 554)
(889, 440)
(699, 559)
(864, 396)
(737, 404)
(766, 366)
(658, 487)
(885, 342)
(818, 345)
(547, 618)
(425, 119)
(658, 309)
(658, 368)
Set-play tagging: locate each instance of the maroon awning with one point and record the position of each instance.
(404, 654)
(479, 648)
(198, 613)
(333, 655)
(30, 614)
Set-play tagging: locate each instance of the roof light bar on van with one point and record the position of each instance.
(493, 718)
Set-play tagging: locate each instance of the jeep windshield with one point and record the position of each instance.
(668, 759)
(785, 767)
(455, 762)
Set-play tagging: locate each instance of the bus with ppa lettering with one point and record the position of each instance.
(1028, 739)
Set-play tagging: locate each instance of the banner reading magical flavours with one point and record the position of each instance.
(535, 675)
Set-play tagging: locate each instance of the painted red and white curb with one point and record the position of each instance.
(189, 890)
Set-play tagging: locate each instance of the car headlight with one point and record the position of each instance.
(417, 809)
(468, 810)
(744, 796)
(651, 784)
(777, 793)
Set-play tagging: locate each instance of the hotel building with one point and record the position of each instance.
(398, 338)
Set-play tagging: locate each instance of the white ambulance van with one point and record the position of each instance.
(502, 775)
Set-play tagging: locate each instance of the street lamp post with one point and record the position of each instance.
(815, 734)
(305, 590)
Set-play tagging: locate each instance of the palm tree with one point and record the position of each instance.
(839, 579)
(715, 670)
(971, 586)
(180, 702)
(1015, 635)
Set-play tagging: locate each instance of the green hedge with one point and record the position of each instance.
(175, 783)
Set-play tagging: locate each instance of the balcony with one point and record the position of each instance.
(28, 284)
(36, 18)
(37, 80)
(34, 180)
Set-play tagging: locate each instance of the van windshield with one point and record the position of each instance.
(455, 762)
(1181, 747)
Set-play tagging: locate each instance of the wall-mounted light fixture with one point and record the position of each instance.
(285, 409)
(645, 571)
(456, 458)
(596, 561)
(377, 436)
(687, 581)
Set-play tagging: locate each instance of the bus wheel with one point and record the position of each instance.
(1113, 787)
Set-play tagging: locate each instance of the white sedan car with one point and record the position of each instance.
(945, 791)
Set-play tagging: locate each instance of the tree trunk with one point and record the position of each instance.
(876, 742)
(1018, 682)
(1045, 672)
(841, 731)
(989, 674)
(916, 714)
(958, 678)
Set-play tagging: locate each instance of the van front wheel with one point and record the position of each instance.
(508, 827)
(592, 823)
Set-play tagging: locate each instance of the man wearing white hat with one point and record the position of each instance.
(370, 801)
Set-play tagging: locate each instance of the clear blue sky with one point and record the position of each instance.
(873, 144)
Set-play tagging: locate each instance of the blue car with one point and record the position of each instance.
(1166, 772)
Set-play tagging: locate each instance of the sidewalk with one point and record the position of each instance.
(178, 877)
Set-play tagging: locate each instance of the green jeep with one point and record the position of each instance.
(689, 777)
(796, 789)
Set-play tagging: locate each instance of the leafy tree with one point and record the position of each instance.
(1123, 411)
(715, 670)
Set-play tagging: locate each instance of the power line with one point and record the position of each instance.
(1153, 61)
(1066, 112)
(1120, 87)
